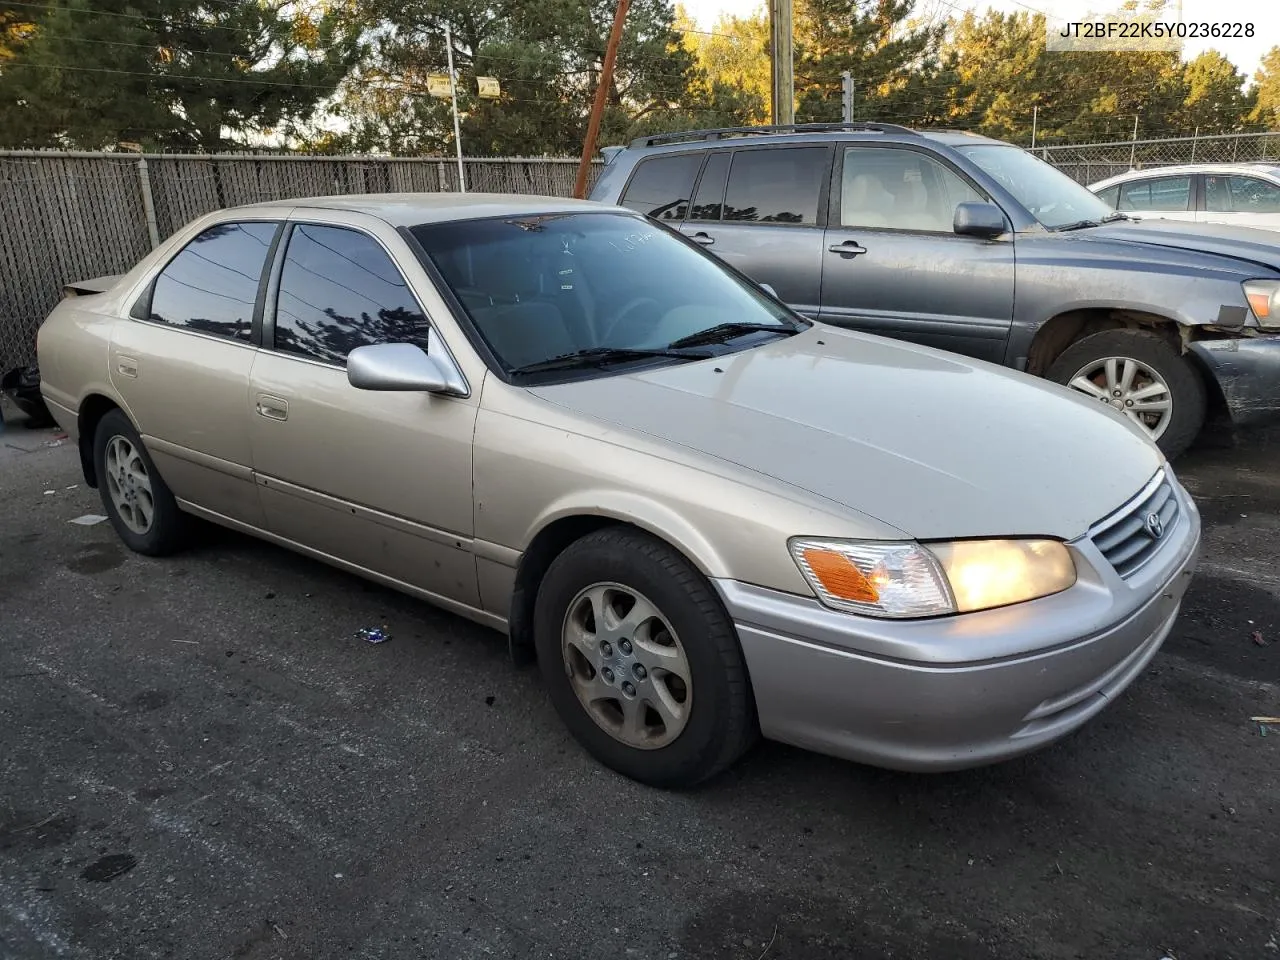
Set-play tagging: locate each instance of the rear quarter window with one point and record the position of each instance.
(661, 186)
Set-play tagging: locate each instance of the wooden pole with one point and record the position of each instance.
(602, 93)
(782, 75)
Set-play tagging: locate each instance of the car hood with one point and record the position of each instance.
(932, 444)
(1238, 243)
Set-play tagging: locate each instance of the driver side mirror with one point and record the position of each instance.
(979, 219)
(404, 367)
(769, 290)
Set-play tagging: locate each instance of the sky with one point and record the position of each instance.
(1244, 52)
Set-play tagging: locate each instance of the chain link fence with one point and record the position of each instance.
(74, 216)
(1090, 162)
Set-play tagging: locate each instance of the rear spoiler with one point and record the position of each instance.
(84, 288)
(610, 152)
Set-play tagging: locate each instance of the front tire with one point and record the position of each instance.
(641, 661)
(134, 495)
(1141, 376)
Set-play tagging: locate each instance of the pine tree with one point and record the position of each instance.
(170, 74)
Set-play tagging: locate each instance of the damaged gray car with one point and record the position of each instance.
(973, 245)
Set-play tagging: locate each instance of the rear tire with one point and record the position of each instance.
(134, 495)
(669, 703)
(1097, 366)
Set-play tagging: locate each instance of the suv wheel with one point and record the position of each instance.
(641, 661)
(1142, 376)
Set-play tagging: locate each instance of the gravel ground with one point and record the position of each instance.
(199, 759)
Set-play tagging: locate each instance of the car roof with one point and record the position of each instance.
(411, 209)
(801, 133)
(1182, 168)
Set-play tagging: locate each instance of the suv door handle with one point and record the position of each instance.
(850, 248)
(703, 238)
(273, 408)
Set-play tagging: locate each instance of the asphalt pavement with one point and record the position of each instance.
(199, 758)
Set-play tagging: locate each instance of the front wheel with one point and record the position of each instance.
(1141, 376)
(641, 661)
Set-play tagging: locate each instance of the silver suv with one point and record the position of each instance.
(973, 245)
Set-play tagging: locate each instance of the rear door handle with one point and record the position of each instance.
(127, 367)
(850, 248)
(273, 408)
(703, 238)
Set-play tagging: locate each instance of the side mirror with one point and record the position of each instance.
(403, 367)
(769, 290)
(979, 219)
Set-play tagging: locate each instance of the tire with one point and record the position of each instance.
(166, 531)
(600, 571)
(1185, 386)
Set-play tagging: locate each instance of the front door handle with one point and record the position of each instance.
(703, 238)
(273, 408)
(850, 248)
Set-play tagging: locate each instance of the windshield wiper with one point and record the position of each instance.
(727, 331)
(1113, 217)
(602, 356)
(1077, 225)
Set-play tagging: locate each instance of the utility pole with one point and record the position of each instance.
(781, 65)
(847, 93)
(453, 95)
(1133, 144)
(602, 94)
(1035, 118)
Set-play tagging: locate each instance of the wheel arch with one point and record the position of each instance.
(562, 527)
(93, 407)
(1066, 327)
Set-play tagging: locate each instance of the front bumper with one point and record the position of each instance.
(955, 692)
(1248, 373)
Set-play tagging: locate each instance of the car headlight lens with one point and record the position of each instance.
(1264, 301)
(904, 580)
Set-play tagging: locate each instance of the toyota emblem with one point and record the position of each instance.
(1155, 526)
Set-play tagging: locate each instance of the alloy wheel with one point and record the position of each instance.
(1130, 386)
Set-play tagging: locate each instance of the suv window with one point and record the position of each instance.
(212, 285)
(709, 198)
(339, 290)
(779, 185)
(1159, 193)
(660, 187)
(899, 189)
(1240, 195)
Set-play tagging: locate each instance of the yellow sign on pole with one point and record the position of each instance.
(488, 87)
(438, 85)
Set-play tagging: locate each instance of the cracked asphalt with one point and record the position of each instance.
(200, 759)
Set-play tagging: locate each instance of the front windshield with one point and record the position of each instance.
(1049, 195)
(542, 287)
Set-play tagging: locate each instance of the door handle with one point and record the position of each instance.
(127, 367)
(273, 408)
(850, 248)
(703, 238)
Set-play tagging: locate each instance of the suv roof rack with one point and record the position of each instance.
(722, 132)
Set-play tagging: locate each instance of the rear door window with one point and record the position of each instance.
(661, 186)
(1159, 193)
(340, 290)
(779, 185)
(212, 285)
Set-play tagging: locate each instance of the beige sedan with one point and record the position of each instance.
(711, 517)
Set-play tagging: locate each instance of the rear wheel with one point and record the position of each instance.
(641, 661)
(134, 495)
(1140, 375)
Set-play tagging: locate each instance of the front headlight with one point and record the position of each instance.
(1264, 301)
(903, 580)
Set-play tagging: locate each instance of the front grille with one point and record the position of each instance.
(1133, 534)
